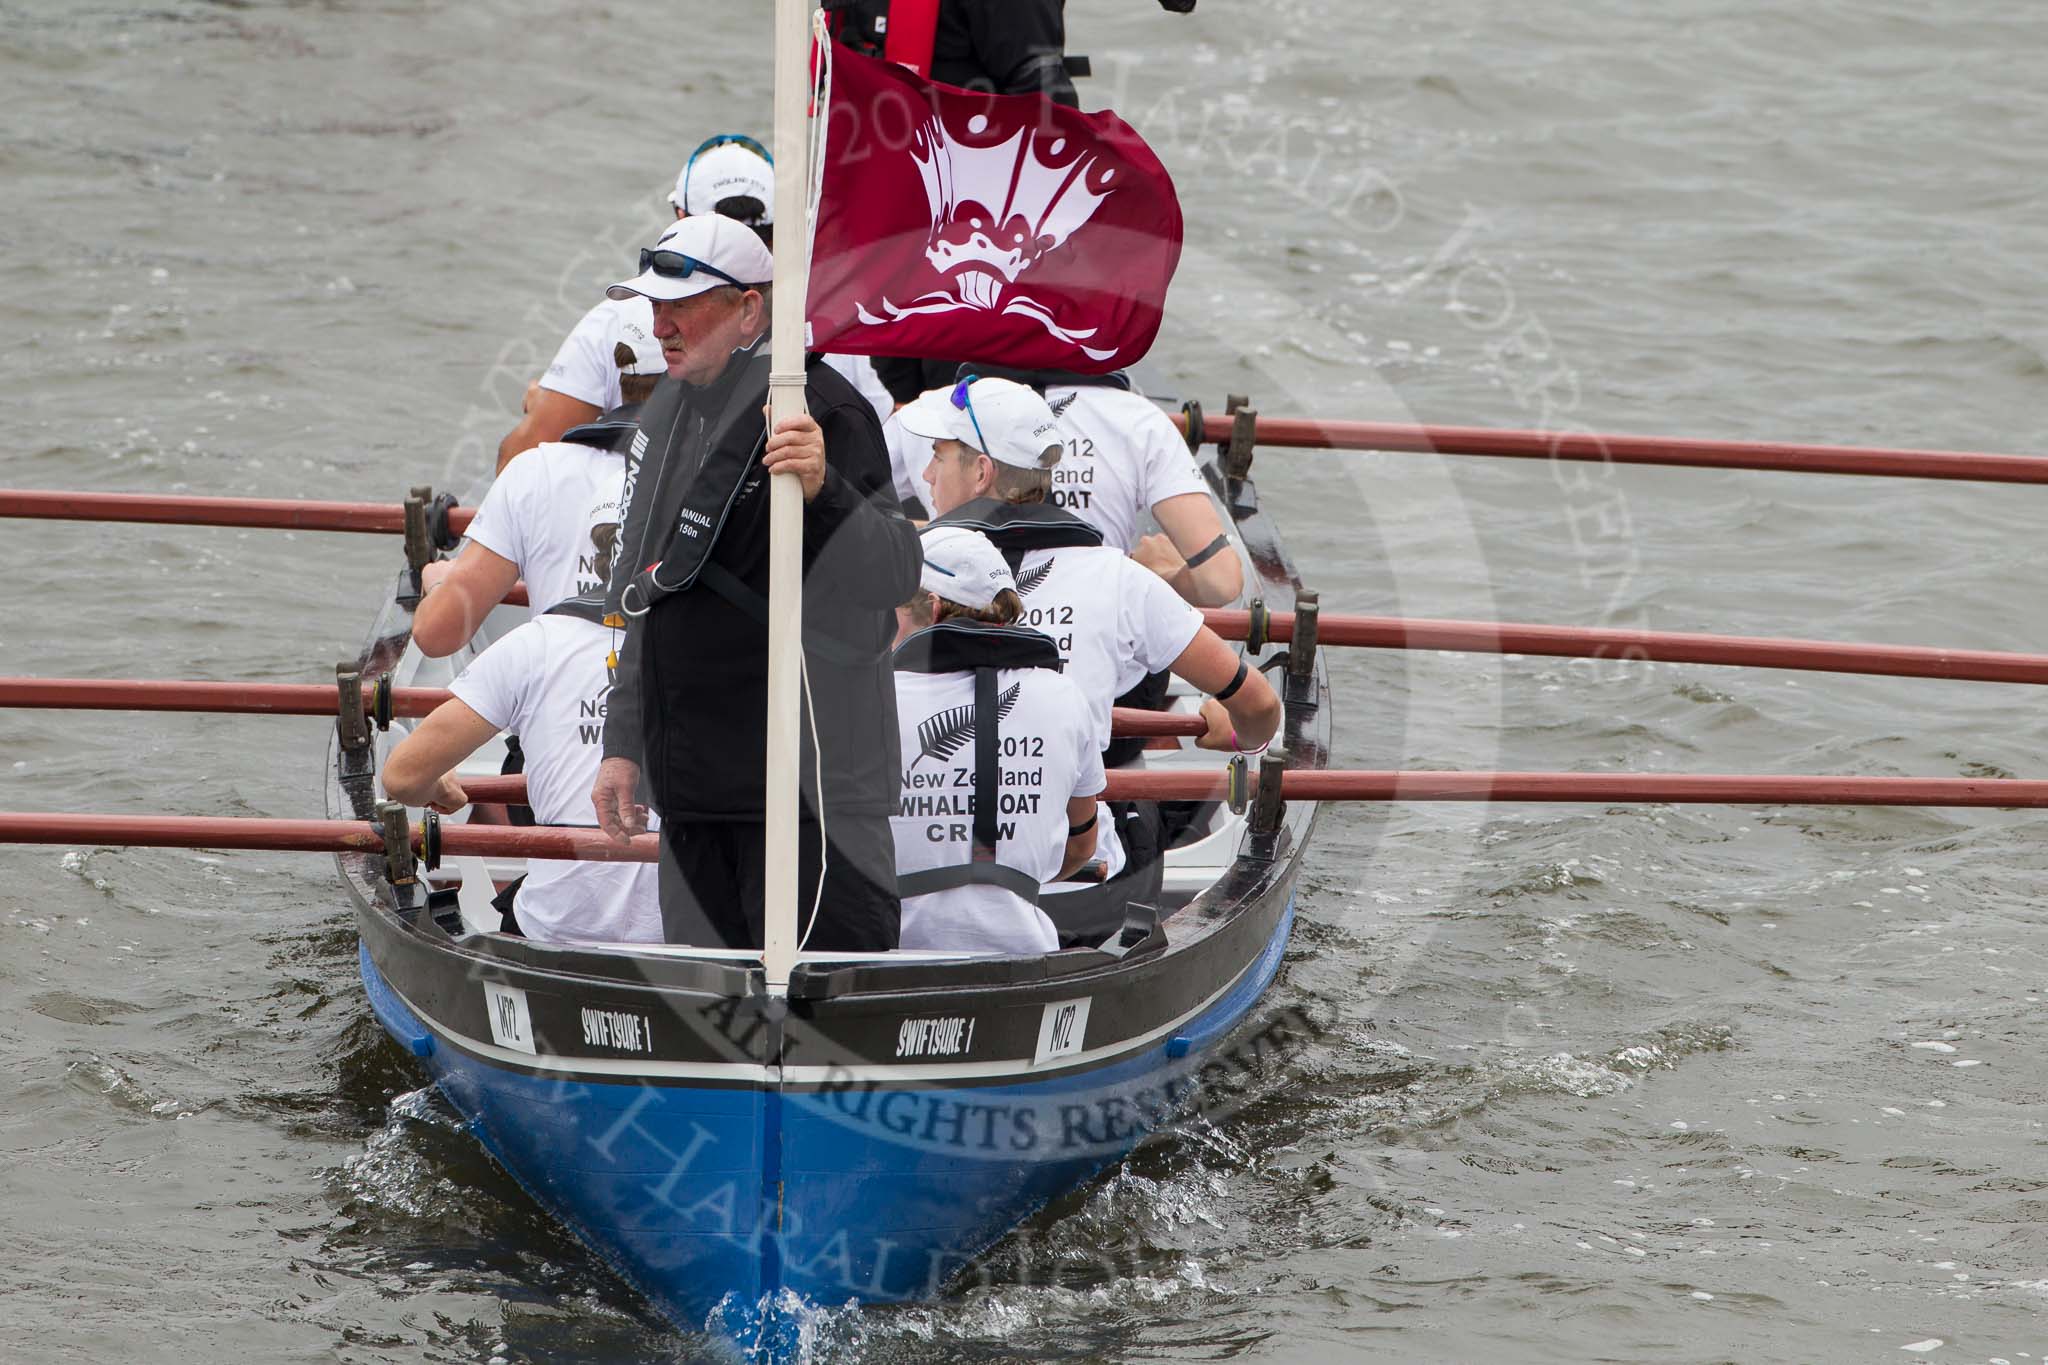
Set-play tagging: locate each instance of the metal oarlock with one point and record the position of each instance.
(397, 830)
(350, 726)
(439, 534)
(1259, 632)
(1301, 650)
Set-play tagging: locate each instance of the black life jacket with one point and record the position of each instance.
(706, 446)
(1016, 529)
(613, 431)
(1041, 380)
(589, 607)
(959, 646)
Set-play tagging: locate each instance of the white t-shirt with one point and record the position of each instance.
(860, 372)
(1113, 619)
(586, 368)
(547, 683)
(1047, 756)
(1122, 459)
(540, 513)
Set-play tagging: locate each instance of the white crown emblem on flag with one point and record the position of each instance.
(994, 212)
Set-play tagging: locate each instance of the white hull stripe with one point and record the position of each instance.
(757, 1074)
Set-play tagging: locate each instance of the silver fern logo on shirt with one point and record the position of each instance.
(942, 734)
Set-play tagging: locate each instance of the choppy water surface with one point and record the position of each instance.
(1629, 1084)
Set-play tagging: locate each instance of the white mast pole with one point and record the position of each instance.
(785, 500)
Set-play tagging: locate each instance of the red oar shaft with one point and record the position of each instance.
(153, 694)
(316, 699)
(280, 514)
(1307, 433)
(1713, 789)
(334, 836)
(1755, 651)
(310, 836)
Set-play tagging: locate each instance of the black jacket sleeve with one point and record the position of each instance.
(1021, 44)
(858, 547)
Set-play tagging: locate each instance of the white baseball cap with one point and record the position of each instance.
(697, 254)
(963, 567)
(633, 327)
(1004, 420)
(727, 167)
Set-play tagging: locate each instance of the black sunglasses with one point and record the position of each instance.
(674, 265)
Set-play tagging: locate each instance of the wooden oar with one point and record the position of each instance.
(314, 836)
(317, 699)
(1679, 789)
(458, 839)
(1677, 647)
(1311, 434)
(279, 514)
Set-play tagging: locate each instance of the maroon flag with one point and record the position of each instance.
(1001, 228)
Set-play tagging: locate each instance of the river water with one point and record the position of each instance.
(1595, 1084)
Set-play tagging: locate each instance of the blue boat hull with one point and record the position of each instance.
(702, 1193)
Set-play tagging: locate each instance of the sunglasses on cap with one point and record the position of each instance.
(674, 265)
(965, 403)
(727, 140)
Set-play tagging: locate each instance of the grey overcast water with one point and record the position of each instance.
(1629, 1084)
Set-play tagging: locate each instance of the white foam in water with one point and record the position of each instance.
(1932, 1343)
(1703, 1296)
(1931, 1046)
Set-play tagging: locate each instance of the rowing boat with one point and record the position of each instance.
(867, 1137)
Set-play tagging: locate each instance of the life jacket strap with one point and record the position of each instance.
(983, 869)
(1020, 884)
(988, 782)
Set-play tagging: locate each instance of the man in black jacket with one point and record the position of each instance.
(1005, 47)
(688, 710)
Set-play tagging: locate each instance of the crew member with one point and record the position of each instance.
(1122, 458)
(1113, 620)
(692, 578)
(1001, 764)
(728, 174)
(1004, 47)
(548, 683)
(539, 516)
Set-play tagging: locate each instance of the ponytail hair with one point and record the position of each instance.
(1004, 611)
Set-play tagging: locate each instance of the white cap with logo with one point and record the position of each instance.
(695, 255)
(724, 170)
(633, 328)
(1004, 420)
(964, 567)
